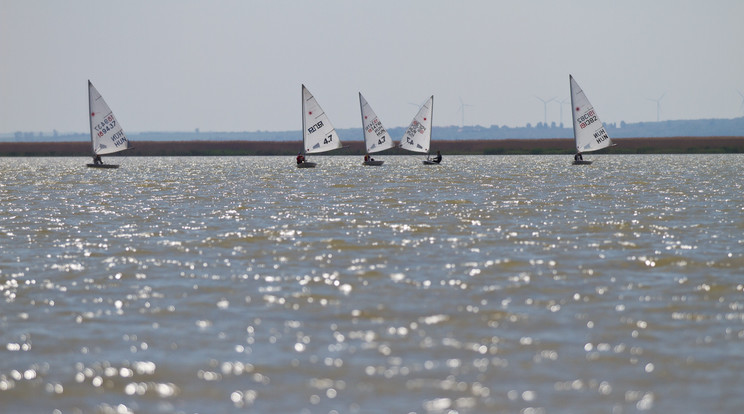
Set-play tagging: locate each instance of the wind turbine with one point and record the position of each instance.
(545, 105)
(462, 109)
(658, 105)
(561, 103)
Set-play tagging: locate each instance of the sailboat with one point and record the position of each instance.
(589, 132)
(106, 135)
(318, 134)
(418, 135)
(376, 138)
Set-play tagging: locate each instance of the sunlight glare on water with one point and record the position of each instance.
(485, 284)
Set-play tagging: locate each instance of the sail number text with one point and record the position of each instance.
(105, 126)
(118, 138)
(413, 129)
(601, 136)
(315, 127)
(587, 119)
(376, 127)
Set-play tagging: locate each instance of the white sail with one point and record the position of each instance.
(376, 137)
(589, 132)
(318, 133)
(418, 135)
(106, 134)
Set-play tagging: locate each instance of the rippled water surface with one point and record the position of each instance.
(483, 285)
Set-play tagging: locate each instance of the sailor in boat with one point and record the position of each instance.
(97, 160)
(300, 158)
(578, 157)
(438, 158)
(367, 158)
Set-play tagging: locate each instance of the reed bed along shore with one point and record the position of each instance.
(670, 145)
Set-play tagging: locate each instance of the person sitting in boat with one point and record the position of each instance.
(300, 158)
(97, 160)
(578, 157)
(438, 158)
(367, 158)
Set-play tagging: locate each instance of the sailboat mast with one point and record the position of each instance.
(431, 129)
(304, 144)
(361, 112)
(90, 118)
(573, 111)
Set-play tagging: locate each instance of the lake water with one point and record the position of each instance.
(487, 284)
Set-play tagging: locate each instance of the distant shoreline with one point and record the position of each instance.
(667, 145)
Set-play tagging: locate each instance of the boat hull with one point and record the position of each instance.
(429, 162)
(306, 164)
(102, 165)
(373, 162)
(581, 162)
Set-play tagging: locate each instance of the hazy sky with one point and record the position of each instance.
(237, 65)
